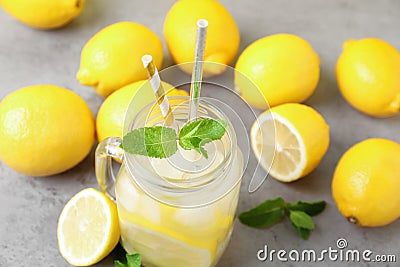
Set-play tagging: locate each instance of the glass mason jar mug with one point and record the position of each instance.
(177, 211)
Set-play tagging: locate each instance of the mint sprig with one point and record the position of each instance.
(161, 142)
(265, 214)
(311, 208)
(196, 134)
(132, 260)
(272, 211)
(157, 141)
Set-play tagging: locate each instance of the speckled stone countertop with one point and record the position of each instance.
(30, 206)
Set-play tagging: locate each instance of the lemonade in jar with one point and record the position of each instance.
(177, 210)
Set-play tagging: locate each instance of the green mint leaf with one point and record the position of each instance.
(161, 142)
(189, 129)
(119, 264)
(303, 232)
(202, 151)
(302, 222)
(155, 142)
(197, 144)
(196, 134)
(132, 260)
(205, 128)
(264, 215)
(301, 219)
(272, 211)
(311, 208)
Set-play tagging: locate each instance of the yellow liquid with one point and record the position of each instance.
(172, 236)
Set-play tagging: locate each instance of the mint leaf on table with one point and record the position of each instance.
(303, 232)
(155, 142)
(132, 260)
(311, 208)
(302, 222)
(272, 211)
(161, 142)
(196, 134)
(301, 219)
(265, 214)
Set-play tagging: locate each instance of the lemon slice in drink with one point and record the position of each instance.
(159, 249)
(88, 228)
(301, 140)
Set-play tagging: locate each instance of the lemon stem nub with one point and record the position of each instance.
(352, 220)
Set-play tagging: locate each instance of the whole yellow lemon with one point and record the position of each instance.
(284, 67)
(366, 182)
(111, 59)
(222, 39)
(44, 130)
(43, 14)
(125, 103)
(368, 76)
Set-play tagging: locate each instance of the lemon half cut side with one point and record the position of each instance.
(301, 140)
(88, 228)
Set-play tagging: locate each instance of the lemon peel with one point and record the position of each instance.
(43, 14)
(368, 76)
(366, 181)
(284, 67)
(111, 59)
(222, 40)
(44, 130)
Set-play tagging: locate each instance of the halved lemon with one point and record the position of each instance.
(88, 228)
(289, 140)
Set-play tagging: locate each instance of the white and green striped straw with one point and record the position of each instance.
(195, 86)
(158, 89)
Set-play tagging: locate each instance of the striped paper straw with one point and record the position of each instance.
(197, 74)
(158, 89)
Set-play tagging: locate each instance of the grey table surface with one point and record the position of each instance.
(29, 206)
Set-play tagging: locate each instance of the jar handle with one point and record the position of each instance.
(106, 151)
